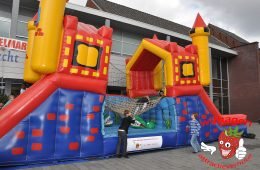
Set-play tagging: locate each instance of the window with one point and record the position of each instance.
(220, 84)
(5, 27)
(117, 41)
(206, 88)
(116, 46)
(215, 68)
(225, 105)
(130, 43)
(224, 69)
(117, 74)
(15, 88)
(129, 48)
(187, 69)
(2, 86)
(125, 43)
(86, 55)
(22, 29)
(218, 102)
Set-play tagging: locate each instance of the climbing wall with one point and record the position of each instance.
(163, 111)
(185, 107)
(182, 121)
(67, 125)
(210, 130)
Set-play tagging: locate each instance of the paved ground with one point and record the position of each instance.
(167, 159)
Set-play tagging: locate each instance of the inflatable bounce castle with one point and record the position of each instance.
(66, 113)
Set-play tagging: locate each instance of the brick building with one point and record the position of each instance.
(244, 73)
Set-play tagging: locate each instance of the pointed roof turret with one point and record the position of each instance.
(155, 36)
(35, 17)
(199, 22)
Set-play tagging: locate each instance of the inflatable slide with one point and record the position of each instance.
(66, 113)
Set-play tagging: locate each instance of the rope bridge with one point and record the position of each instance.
(119, 104)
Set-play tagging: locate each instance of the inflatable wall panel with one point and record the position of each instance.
(65, 126)
(68, 126)
(42, 129)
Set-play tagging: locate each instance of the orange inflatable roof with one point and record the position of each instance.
(199, 22)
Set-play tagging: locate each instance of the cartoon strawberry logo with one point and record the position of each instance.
(228, 142)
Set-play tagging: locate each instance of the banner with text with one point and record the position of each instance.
(142, 143)
(12, 56)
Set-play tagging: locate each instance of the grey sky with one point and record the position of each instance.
(241, 17)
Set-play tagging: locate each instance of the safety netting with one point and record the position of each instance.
(119, 104)
(158, 116)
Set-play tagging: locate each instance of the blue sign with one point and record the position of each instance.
(9, 56)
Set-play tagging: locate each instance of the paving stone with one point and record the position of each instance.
(172, 159)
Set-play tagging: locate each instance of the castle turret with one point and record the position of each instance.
(199, 34)
(48, 35)
(29, 75)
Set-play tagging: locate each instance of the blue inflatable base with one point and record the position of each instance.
(68, 126)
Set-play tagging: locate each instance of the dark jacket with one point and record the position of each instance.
(143, 100)
(126, 121)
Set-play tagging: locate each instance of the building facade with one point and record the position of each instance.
(130, 27)
(12, 28)
(244, 73)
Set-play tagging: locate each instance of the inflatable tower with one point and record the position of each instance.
(199, 34)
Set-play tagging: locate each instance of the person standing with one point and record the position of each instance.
(122, 134)
(23, 88)
(161, 93)
(141, 104)
(194, 126)
(1, 105)
(11, 98)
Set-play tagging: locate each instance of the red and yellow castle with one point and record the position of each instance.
(65, 45)
(156, 59)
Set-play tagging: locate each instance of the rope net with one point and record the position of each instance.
(119, 104)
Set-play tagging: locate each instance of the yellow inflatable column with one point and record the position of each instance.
(199, 34)
(48, 34)
(29, 75)
(158, 76)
